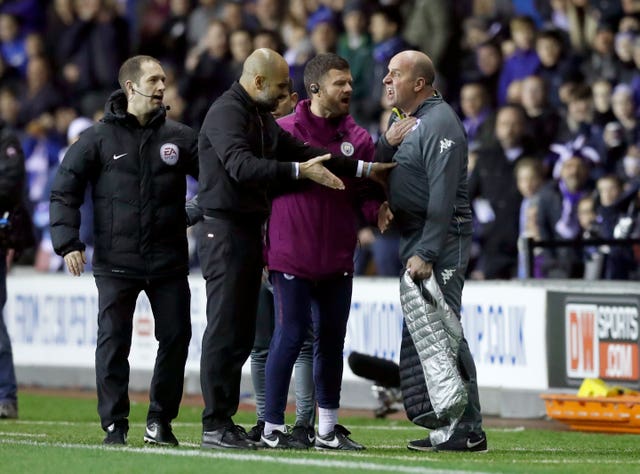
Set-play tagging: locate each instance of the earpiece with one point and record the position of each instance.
(314, 88)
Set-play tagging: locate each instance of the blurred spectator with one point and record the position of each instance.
(524, 60)
(583, 22)
(495, 197)
(430, 27)
(9, 76)
(269, 13)
(90, 51)
(199, 20)
(488, 63)
(554, 62)
(355, 46)
(529, 174)
(169, 42)
(578, 120)
(13, 42)
(9, 107)
(40, 95)
(602, 113)
(557, 210)
(208, 73)
(240, 47)
(324, 36)
(623, 47)
(236, 17)
(267, 39)
(478, 116)
(543, 120)
(600, 61)
(385, 26)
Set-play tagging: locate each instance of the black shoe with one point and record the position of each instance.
(279, 440)
(471, 443)
(159, 433)
(421, 445)
(338, 439)
(255, 432)
(304, 434)
(227, 437)
(116, 433)
(9, 410)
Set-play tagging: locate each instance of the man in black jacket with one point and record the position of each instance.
(15, 234)
(243, 151)
(136, 161)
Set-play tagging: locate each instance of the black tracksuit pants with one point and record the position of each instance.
(170, 300)
(231, 259)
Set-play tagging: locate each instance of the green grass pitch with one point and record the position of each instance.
(58, 434)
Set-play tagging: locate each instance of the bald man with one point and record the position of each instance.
(243, 152)
(429, 202)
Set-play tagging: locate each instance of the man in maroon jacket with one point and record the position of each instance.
(310, 245)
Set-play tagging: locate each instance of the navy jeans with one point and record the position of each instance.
(300, 303)
(8, 385)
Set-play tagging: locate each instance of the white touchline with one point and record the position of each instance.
(321, 463)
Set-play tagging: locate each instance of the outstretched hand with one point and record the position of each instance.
(315, 171)
(385, 217)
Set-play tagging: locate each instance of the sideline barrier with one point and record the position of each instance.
(526, 335)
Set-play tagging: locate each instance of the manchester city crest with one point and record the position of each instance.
(347, 148)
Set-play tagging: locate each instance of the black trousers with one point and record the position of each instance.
(231, 259)
(170, 300)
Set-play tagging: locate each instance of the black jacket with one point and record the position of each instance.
(16, 230)
(242, 150)
(138, 178)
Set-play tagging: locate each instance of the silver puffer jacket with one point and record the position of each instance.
(436, 333)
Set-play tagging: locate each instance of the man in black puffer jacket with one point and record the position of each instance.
(136, 161)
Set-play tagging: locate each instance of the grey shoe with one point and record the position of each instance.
(227, 437)
(9, 409)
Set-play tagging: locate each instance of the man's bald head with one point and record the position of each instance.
(409, 81)
(265, 77)
(263, 62)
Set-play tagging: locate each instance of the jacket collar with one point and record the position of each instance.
(115, 110)
(321, 127)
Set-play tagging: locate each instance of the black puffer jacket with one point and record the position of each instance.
(138, 183)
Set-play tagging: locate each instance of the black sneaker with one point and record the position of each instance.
(9, 410)
(421, 445)
(255, 432)
(304, 434)
(159, 433)
(338, 439)
(279, 440)
(116, 433)
(227, 437)
(472, 443)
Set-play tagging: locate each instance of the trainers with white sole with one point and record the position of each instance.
(338, 439)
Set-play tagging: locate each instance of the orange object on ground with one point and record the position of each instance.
(613, 414)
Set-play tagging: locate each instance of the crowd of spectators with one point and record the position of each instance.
(548, 92)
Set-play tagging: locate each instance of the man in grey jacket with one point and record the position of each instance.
(429, 203)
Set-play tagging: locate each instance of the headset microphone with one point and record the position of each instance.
(143, 95)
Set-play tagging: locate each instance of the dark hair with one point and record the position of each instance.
(320, 65)
(392, 15)
(131, 69)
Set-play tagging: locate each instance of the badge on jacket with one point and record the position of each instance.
(169, 153)
(347, 148)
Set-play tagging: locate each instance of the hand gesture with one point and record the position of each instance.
(418, 268)
(315, 171)
(380, 173)
(75, 262)
(385, 217)
(398, 130)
